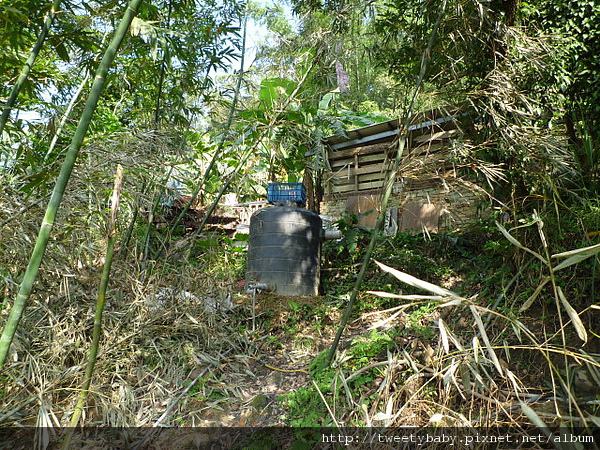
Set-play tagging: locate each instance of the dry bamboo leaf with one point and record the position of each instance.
(444, 335)
(575, 319)
(477, 376)
(415, 282)
(486, 339)
(346, 389)
(538, 422)
(43, 427)
(455, 302)
(449, 377)
(576, 256)
(593, 370)
(595, 420)
(465, 376)
(517, 331)
(513, 241)
(591, 250)
(592, 365)
(436, 418)
(476, 348)
(384, 322)
(535, 294)
(514, 380)
(410, 360)
(540, 225)
(456, 342)
(389, 409)
(381, 416)
(365, 410)
(406, 297)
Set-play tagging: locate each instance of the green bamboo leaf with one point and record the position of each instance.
(35, 51)
(63, 52)
(267, 95)
(575, 319)
(325, 101)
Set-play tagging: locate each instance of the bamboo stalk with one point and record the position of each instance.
(35, 51)
(37, 255)
(244, 157)
(222, 143)
(388, 185)
(110, 250)
(65, 116)
(161, 77)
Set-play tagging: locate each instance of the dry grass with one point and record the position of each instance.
(147, 354)
(149, 349)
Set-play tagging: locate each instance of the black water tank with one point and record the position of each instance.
(284, 250)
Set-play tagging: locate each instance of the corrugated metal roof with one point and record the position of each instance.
(384, 131)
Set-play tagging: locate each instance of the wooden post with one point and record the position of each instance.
(356, 172)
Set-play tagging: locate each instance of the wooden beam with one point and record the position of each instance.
(362, 170)
(361, 187)
(377, 157)
(436, 136)
(364, 150)
(361, 141)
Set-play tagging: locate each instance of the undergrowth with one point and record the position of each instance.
(454, 345)
(499, 336)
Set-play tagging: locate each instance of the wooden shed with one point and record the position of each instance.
(428, 192)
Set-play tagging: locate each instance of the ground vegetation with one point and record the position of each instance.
(491, 325)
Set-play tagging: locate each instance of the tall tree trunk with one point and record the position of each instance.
(510, 7)
(20, 302)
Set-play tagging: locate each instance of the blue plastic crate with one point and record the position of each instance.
(286, 192)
